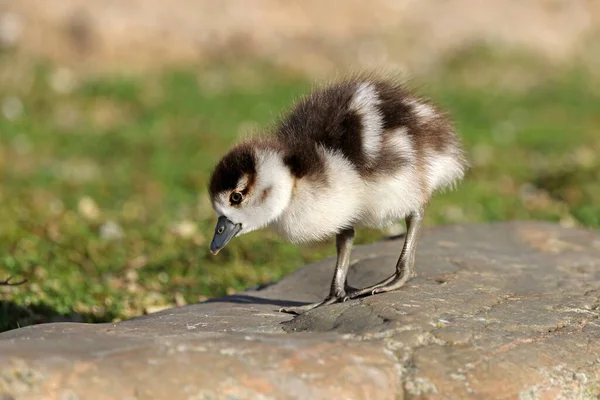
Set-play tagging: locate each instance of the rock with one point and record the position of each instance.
(498, 311)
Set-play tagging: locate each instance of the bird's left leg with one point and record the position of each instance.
(405, 265)
(339, 287)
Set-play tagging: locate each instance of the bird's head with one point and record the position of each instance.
(249, 188)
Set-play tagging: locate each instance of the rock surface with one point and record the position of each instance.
(508, 310)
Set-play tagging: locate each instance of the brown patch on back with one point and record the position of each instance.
(434, 134)
(320, 118)
(324, 118)
(389, 160)
(303, 161)
(437, 133)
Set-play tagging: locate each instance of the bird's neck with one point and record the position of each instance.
(275, 181)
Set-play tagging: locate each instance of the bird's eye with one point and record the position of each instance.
(235, 198)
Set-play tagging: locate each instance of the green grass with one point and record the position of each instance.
(136, 153)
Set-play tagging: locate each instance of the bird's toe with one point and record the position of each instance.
(302, 309)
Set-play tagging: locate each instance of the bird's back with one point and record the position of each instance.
(377, 125)
(372, 152)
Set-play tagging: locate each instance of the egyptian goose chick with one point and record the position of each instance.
(361, 152)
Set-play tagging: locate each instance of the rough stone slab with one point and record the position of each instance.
(498, 311)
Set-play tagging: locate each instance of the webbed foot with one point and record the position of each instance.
(394, 282)
(302, 309)
(337, 298)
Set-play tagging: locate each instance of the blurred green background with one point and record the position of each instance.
(103, 175)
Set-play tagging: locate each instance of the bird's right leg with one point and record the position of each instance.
(405, 265)
(339, 287)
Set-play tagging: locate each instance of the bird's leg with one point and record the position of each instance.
(339, 286)
(405, 265)
(339, 283)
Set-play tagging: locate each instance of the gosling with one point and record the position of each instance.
(364, 151)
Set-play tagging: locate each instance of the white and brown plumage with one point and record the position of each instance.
(361, 152)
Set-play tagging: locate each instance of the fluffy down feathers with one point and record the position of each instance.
(358, 152)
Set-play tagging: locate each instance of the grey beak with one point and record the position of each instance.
(224, 232)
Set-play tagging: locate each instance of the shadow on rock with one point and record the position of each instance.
(245, 299)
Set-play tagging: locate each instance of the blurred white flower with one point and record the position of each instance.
(12, 107)
(88, 208)
(110, 230)
(184, 229)
(164, 278)
(131, 275)
(62, 80)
